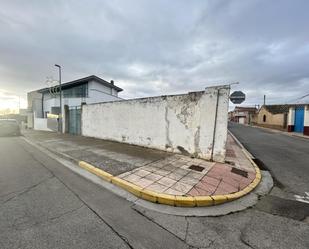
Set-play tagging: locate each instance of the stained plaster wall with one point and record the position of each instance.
(177, 123)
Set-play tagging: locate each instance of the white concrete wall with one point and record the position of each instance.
(306, 117)
(291, 116)
(100, 93)
(40, 124)
(172, 123)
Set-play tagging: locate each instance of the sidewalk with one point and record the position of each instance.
(291, 134)
(154, 170)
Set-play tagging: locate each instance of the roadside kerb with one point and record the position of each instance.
(176, 200)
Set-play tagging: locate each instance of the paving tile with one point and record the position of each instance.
(196, 175)
(153, 177)
(157, 164)
(151, 168)
(132, 178)
(203, 192)
(189, 180)
(182, 172)
(182, 187)
(229, 188)
(142, 172)
(143, 182)
(124, 174)
(198, 192)
(173, 192)
(220, 191)
(206, 187)
(169, 167)
(162, 172)
(156, 187)
(193, 192)
(251, 175)
(206, 164)
(171, 159)
(214, 174)
(244, 183)
(210, 180)
(175, 176)
(166, 181)
(231, 181)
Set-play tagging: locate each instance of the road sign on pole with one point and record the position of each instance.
(237, 97)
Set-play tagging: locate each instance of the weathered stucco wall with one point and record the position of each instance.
(177, 123)
(271, 119)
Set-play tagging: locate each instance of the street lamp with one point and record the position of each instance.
(60, 113)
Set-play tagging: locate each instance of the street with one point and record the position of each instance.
(285, 156)
(45, 205)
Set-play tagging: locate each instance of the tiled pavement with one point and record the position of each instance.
(173, 175)
(152, 169)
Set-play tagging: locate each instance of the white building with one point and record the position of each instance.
(88, 90)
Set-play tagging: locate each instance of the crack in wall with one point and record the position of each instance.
(169, 143)
(197, 149)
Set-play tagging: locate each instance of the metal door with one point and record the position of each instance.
(299, 119)
(75, 120)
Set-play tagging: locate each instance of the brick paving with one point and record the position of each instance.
(174, 176)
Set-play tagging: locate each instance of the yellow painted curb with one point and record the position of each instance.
(184, 201)
(173, 200)
(166, 199)
(203, 201)
(101, 173)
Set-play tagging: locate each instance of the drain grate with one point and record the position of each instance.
(239, 172)
(196, 168)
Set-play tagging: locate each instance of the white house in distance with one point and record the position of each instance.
(44, 104)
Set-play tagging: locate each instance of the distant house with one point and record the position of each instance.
(243, 115)
(289, 117)
(44, 104)
(298, 118)
(273, 116)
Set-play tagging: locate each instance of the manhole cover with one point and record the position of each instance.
(196, 168)
(239, 172)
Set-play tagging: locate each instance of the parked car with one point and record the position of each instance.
(9, 127)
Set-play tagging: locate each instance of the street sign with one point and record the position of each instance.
(237, 97)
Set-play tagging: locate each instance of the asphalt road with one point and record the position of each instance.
(43, 204)
(287, 157)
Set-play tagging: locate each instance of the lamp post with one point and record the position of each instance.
(60, 113)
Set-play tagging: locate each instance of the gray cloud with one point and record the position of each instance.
(159, 47)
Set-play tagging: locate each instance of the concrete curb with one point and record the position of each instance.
(175, 200)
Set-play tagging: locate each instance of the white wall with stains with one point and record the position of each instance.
(177, 123)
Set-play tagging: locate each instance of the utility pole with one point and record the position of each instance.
(60, 90)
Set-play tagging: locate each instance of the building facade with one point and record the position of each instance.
(298, 119)
(44, 104)
(243, 115)
(273, 116)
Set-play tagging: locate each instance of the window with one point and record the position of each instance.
(80, 91)
(264, 118)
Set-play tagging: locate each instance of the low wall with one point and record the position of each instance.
(40, 124)
(177, 123)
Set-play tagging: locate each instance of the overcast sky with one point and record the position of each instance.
(157, 47)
